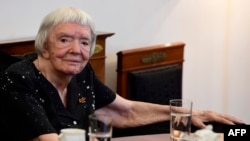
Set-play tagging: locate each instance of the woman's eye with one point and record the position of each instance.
(85, 43)
(64, 40)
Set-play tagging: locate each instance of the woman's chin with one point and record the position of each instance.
(73, 71)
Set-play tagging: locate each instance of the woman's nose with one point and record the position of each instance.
(76, 46)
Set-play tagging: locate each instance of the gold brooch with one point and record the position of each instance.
(82, 100)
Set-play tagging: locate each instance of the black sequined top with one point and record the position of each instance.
(31, 106)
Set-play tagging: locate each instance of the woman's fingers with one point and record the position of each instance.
(222, 118)
(200, 117)
(198, 122)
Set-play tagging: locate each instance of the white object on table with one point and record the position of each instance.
(153, 137)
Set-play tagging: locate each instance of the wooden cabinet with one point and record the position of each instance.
(23, 46)
(98, 59)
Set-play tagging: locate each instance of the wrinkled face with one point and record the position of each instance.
(68, 47)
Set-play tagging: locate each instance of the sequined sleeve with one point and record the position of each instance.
(22, 112)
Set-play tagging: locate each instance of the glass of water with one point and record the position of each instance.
(100, 127)
(180, 119)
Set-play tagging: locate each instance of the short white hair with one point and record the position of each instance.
(64, 14)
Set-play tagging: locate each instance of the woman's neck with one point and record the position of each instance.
(59, 81)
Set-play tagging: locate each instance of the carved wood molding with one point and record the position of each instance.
(153, 57)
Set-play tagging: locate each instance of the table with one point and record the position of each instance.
(153, 137)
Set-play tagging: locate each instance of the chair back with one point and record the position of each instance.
(151, 73)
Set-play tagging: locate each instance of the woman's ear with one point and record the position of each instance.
(45, 51)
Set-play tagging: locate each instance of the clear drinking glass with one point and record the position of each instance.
(100, 127)
(180, 119)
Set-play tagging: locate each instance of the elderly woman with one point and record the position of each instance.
(57, 88)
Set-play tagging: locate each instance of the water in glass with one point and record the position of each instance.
(99, 137)
(180, 126)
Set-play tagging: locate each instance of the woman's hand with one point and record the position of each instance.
(199, 117)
